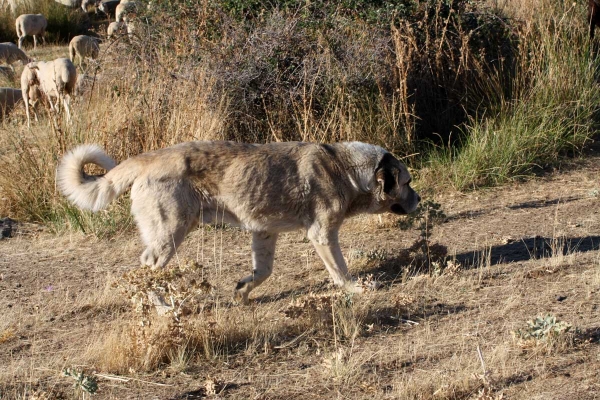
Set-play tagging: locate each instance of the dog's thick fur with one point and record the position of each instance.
(267, 189)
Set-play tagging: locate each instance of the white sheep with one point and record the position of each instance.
(108, 7)
(115, 28)
(70, 3)
(12, 5)
(30, 92)
(9, 97)
(83, 46)
(86, 3)
(126, 10)
(9, 53)
(56, 79)
(32, 25)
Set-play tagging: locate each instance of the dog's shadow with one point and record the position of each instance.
(536, 247)
(395, 267)
(534, 204)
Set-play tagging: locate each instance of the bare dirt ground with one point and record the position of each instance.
(527, 249)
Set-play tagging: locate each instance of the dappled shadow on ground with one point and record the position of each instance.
(398, 315)
(396, 267)
(544, 203)
(589, 335)
(536, 247)
(300, 290)
(473, 214)
(208, 391)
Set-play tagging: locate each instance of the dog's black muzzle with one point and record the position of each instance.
(398, 209)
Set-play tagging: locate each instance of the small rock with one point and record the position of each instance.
(561, 298)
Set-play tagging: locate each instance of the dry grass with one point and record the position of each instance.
(419, 336)
(451, 293)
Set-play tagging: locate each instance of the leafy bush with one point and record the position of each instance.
(391, 73)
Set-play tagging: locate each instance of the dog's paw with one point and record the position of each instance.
(240, 298)
(353, 287)
(362, 285)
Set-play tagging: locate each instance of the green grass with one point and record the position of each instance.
(555, 113)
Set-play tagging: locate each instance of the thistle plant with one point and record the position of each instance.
(86, 383)
(543, 329)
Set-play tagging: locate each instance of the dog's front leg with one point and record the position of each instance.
(328, 248)
(263, 253)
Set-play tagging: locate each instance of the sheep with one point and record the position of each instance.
(593, 16)
(12, 5)
(32, 25)
(83, 46)
(109, 7)
(115, 28)
(9, 97)
(86, 3)
(9, 53)
(77, 3)
(56, 79)
(126, 10)
(69, 3)
(31, 95)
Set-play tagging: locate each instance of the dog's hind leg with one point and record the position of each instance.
(263, 253)
(164, 212)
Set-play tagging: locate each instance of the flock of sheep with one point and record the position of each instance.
(56, 80)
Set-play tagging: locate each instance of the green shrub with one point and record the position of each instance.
(392, 73)
(551, 109)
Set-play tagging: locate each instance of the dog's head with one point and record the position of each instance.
(393, 190)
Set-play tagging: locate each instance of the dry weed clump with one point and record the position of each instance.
(173, 293)
(336, 311)
(317, 308)
(179, 319)
(361, 260)
(7, 335)
(424, 255)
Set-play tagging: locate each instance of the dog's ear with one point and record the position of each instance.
(385, 173)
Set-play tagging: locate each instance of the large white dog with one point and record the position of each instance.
(267, 189)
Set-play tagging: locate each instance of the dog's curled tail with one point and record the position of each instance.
(89, 192)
